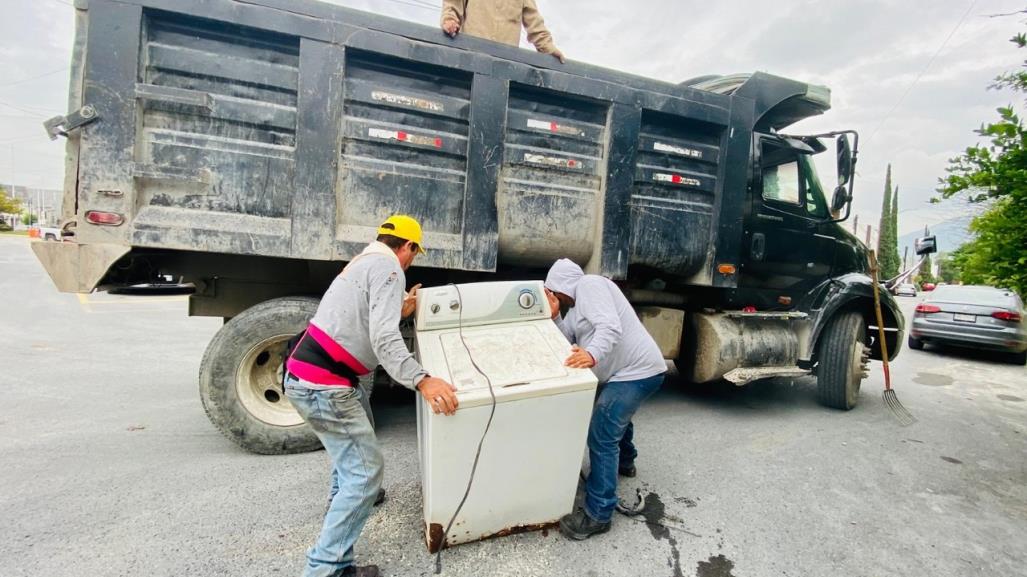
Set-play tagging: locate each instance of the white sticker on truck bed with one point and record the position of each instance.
(411, 101)
(689, 152)
(552, 161)
(404, 137)
(553, 127)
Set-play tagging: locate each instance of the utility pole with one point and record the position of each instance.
(905, 255)
(868, 235)
(855, 224)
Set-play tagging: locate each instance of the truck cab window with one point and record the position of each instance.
(781, 183)
(816, 202)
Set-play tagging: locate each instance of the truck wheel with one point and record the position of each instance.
(1019, 358)
(241, 378)
(843, 361)
(915, 344)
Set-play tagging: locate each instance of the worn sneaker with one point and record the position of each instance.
(362, 571)
(627, 471)
(578, 525)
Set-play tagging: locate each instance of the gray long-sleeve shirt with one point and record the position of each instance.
(361, 311)
(603, 323)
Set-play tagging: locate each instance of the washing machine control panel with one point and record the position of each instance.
(482, 303)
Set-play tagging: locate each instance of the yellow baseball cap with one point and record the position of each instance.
(404, 227)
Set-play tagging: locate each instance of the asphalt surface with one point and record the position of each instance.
(110, 467)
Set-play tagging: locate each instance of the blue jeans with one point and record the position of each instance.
(340, 421)
(610, 445)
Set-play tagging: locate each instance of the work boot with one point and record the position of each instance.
(627, 471)
(362, 571)
(579, 526)
(381, 497)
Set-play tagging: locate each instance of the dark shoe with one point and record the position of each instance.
(578, 525)
(362, 571)
(381, 497)
(627, 471)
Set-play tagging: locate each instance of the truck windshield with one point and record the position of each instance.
(816, 202)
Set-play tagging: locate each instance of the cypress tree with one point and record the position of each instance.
(887, 251)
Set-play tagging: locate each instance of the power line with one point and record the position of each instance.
(923, 71)
(34, 77)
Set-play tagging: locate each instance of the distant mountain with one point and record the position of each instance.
(951, 233)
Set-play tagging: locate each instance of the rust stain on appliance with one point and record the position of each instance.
(434, 536)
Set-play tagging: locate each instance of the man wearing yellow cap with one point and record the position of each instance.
(355, 329)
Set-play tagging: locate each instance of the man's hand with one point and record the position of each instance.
(410, 301)
(451, 27)
(580, 359)
(440, 395)
(554, 304)
(558, 55)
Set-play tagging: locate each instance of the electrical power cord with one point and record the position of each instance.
(477, 454)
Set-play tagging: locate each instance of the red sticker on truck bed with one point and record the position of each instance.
(676, 179)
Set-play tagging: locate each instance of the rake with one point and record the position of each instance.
(904, 417)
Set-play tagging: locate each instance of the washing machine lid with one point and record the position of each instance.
(522, 360)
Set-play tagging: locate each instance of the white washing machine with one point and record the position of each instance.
(527, 473)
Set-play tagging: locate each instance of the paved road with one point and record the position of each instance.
(109, 467)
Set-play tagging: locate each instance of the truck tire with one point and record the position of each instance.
(241, 378)
(842, 361)
(915, 344)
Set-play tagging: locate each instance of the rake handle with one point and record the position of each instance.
(880, 320)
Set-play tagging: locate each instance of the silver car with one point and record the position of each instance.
(978, 317)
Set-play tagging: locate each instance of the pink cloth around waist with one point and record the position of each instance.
(335, 350)
(315, 374)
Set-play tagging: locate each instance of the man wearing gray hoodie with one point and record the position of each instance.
(607, 337)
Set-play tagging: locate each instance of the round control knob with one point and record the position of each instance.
(435, 308)
(526, 299)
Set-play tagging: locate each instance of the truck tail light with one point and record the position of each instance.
(1012, 317)
(927, 309)
(104, 218)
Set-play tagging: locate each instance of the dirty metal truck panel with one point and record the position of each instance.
(290, 128)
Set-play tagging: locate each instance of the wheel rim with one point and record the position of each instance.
(258, 384)
(860, 365)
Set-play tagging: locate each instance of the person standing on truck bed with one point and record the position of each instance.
(499, 21)
(356, 328)
(607, 336)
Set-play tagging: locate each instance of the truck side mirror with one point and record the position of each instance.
(840, 198)
(844, 161)
(925, 245)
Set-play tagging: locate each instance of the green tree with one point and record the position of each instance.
(947, 269)
(887, 243)
(925, 274)
(995, 174)
(893, 232)
(28, 219)
(9, 204)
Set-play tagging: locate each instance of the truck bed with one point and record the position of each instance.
(291, 128)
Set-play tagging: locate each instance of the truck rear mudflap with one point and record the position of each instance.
(77, 268)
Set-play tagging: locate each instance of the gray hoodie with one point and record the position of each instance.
(603, 323)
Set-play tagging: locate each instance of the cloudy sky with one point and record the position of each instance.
(910, 75)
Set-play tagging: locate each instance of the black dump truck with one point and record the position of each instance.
(251, 147)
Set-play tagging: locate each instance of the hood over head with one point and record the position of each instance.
(564, 277)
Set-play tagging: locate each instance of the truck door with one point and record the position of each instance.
(785, 253)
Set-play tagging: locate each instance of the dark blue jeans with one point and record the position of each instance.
(610, 443)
